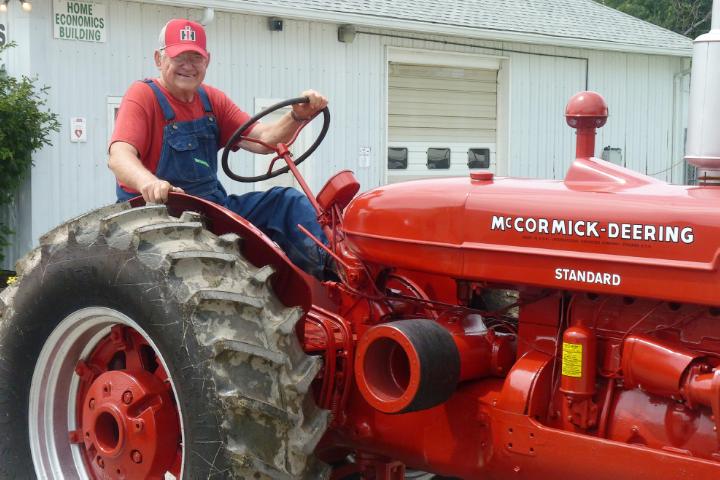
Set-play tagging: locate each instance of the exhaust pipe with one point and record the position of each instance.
(412, 365)
(703, 141)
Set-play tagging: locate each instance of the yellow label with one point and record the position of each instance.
(572, 360)
(11, 280)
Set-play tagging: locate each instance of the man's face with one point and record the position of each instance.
(183, 73)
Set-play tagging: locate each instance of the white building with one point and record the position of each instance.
(427, 76)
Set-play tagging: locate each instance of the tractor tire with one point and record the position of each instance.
(162, 298)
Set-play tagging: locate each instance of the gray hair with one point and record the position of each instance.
(161, 37)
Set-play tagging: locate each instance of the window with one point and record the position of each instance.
(397, 158)
(113, 106)
(478, 158)
(438, 158)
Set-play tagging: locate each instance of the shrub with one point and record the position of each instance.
(25, 126)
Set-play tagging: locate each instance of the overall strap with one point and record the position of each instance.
(205, 99)
(162, 100)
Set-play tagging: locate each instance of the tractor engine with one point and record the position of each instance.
(532, 317)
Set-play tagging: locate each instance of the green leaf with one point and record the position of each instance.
(686, 17)
(25, 127)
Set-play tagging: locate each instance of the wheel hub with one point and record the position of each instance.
(125, 416)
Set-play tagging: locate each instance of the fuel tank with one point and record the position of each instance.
(603, 229)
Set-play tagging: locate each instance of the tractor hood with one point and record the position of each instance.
(602, 229)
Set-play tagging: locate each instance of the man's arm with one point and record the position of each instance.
(285, 127)
(125, 164)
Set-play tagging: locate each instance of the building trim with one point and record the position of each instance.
(428, 28)
(443, 58)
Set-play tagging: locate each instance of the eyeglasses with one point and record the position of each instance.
(191, 58)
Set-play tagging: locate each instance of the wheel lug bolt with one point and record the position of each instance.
(92, 403)
(100, 462)
(136, 456)
(127, 397)
(82, 370)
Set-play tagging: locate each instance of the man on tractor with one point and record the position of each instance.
(169, 130)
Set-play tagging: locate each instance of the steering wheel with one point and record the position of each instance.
(280, 149)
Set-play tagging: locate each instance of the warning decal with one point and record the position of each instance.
(572, 360)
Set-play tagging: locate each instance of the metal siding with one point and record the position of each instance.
(541, 144)
(15, 216)
(607, 75)
(658, 159)
(637, 81)
(643, 103)
(249, 61)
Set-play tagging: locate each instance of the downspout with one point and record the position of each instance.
(677, 147)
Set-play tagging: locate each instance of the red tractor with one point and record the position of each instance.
(480, 328)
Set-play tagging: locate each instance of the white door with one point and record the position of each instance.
(440, 117)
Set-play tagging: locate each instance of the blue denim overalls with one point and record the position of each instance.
(188, 160)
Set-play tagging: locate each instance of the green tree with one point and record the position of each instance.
(686, 17)
(25, 126)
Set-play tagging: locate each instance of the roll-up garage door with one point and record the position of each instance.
(442, 121)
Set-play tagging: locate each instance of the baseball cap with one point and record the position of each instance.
(180, 35)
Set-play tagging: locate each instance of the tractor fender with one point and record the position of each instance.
(292, 286)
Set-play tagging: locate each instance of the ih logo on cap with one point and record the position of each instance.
(187, 34)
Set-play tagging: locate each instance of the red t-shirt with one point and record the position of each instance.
(140, 120)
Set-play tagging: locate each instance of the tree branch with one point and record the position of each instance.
(698, 23)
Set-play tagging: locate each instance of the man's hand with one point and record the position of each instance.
(304, 111)
(157, 191)
(125, 163)
(284, 128)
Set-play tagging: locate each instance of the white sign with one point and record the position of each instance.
(78, 129)
(364, 157)
(74, 20)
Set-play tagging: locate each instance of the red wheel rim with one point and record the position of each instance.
(128, 425)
